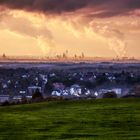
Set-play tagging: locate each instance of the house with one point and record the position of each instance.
(137, 90)
(4, 98)
(44, 78)
(17, 98)
(59, 86)
(22, 92)
(4, 85)
(75, 90)
(56, 93)
(29, 98)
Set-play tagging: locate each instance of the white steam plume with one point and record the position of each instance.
(115, 38)
(24, 26)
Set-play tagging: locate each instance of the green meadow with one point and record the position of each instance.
(105, 119)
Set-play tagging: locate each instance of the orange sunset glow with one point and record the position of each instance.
(106, 28)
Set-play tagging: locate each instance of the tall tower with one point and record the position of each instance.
(4, 56)
(83, 55)
(67, 53)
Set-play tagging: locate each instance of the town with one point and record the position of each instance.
(68, 81)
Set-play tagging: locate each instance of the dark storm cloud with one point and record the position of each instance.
(109, 8)
(54, 6)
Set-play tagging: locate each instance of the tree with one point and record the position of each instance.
(37, 95)
(24, 100)
(137, 90)
(110, 95)
(6, 103)
(49, 88)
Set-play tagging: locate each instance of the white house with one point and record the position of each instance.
(4, 98)
(75, 90)
(22, 92)
(17, 98)
(56, 93)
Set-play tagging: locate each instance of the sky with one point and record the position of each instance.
(98, 28)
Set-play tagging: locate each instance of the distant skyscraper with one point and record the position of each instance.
(4, 56)
(64, 55)
(83, 55)
(75, 56)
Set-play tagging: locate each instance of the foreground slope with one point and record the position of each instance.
(108, 119)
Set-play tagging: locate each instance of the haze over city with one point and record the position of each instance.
(104, 28)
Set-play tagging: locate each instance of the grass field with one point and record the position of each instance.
(108, 119)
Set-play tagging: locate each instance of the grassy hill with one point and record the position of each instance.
(108, 119)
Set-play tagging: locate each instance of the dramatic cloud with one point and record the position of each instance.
(76, 24)
(27, 26)
(106, 8)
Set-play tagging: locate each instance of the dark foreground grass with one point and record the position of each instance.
(110, 119)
